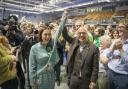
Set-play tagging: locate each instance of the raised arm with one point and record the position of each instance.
(66, 36)
(61, 26)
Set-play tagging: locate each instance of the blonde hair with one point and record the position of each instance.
(107, 39)
(4, 41)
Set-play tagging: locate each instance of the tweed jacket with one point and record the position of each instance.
(90, 64)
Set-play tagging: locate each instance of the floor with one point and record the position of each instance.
(63, 84)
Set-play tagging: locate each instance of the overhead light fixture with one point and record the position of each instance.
(19, 2)
(74, 6)
(8, 9)
(58, 1)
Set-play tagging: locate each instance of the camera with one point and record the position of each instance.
(35, 31)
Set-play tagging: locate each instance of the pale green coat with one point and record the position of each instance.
(39, 57)
(38, 72)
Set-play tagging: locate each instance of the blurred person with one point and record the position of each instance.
(78, 24)
(91, 29)
(23, 26)
(98, 32)
(108, 29)
(8, 73)
(75, 27)
(41, 25)
(82, 61)
(43, 57)
(102, 82)
(116, 34)
(29, 40)
(60, 47)
(15, 38)
(90, 34)
(118, 60)
(110, 33)
(13, 33)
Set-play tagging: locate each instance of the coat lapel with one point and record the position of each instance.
(85, 54)
(72, 50)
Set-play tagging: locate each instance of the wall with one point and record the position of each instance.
(44, 17)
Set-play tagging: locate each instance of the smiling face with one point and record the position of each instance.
(105, 42)
(46, 36)
(115, 34)
(82, 34)
(123, 30)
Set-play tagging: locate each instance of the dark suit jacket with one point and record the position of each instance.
(90, 64)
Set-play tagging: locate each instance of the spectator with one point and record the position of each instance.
(105, 42)
(8, 79)
(118, 60)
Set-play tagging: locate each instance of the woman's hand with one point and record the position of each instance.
(49, 66)
(13, 63)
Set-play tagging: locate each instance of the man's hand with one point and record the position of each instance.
(92, 85)
(66, 11)
(117, 44)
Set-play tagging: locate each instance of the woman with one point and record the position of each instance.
(8, 78)
(29, 40)
(105, 42)
(116, 34)
(43, 57)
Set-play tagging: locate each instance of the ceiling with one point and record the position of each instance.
(43, 6)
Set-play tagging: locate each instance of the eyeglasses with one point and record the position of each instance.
(77, 25)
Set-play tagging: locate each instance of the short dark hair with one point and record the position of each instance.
(101, 30)
(41, 31)
(13, 16)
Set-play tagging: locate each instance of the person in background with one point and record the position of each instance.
(90, 34)
(117, 57)
(82, 62)
(116, 34)
(108, 29)
(8, 73)
(102, 82)
(28, 42)
(110, 33)
(15, 38)
(23, 26)
(98, 32)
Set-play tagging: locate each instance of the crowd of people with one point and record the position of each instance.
(96, 56)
